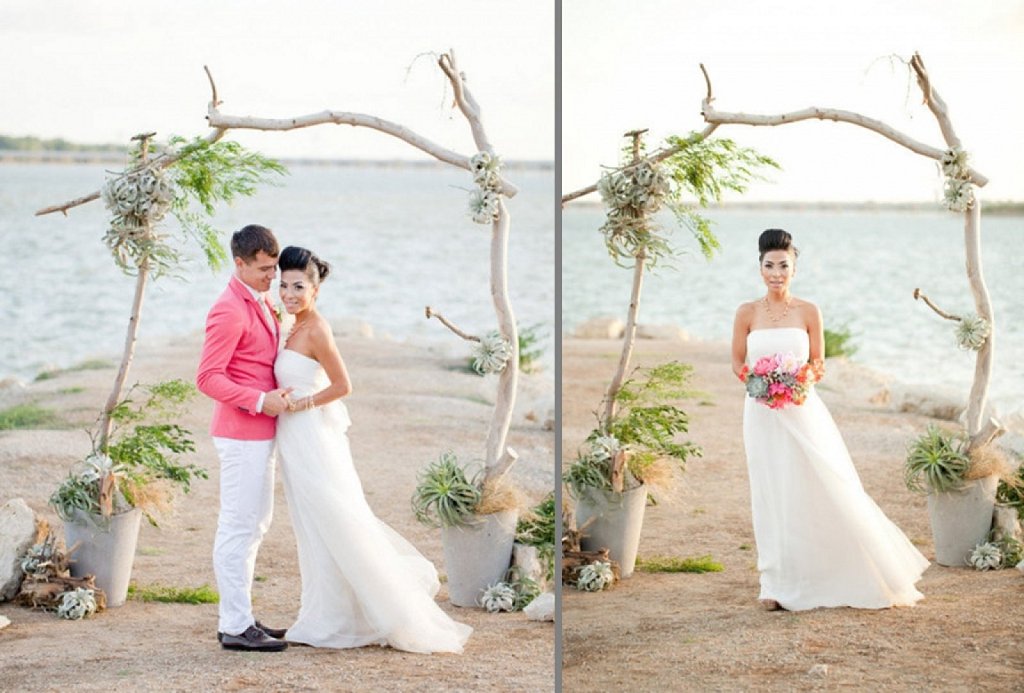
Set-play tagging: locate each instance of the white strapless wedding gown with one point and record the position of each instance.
(821, 540)
(362, 583)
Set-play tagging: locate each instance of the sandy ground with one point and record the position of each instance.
(707, 632)
(409, 404)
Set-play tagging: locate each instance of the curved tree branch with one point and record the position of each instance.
(214, 101)
(921, 295)
(162, 161)
(723, 118)
(654, 158)
(431, 313)
(464, 100)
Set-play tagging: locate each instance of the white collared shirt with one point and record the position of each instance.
(262, 303)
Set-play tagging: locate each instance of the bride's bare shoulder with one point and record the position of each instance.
(809, 310)
(747, 309)
(803, 304)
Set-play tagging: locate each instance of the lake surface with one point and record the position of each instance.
(860, 267)
(398, 239)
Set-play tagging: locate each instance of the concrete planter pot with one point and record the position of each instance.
(106, 549)
(478, 555)
(618, 519)
(961, 519)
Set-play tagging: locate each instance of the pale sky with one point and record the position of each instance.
(629, 65)
(101, 71)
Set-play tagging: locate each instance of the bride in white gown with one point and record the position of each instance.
(821, 540)
(362, 583)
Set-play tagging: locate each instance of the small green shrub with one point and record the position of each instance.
(839, 342)
(674, 564)
(1011, 491)
(28, 415)
(204, 594)
(529, 352)
(646, 425)
(88, 365)
(142, 455)
(537, 528)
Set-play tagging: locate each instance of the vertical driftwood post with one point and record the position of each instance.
(983, 304)
(499, 457)
(131, 335)
(972, 259)
(629, 337)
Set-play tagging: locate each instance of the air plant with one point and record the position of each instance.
(39, 560)
(483, 202)
(987, 556)
(491, 353)
(76, 604)
(500, 596)
(972, 331)
(595, 576)
(936, 462)
(445, 496)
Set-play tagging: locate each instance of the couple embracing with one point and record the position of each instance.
(362, 583)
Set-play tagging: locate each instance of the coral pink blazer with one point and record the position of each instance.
(237, 364)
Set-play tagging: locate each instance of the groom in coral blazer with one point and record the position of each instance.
(236, 370)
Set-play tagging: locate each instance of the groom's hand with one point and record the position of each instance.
(276, 401)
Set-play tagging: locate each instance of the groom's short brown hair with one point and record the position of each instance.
(251, 239)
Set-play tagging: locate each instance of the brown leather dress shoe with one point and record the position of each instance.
(278, 633)
(253, 640)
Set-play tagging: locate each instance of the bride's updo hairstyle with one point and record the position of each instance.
(295, 258)
(773, 239)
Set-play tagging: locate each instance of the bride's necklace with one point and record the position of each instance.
(296, 328)
(768, 309)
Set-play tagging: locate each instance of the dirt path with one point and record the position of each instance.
(706, 632)
(409, 404)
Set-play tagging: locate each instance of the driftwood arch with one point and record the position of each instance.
(499, 457)
(980, 432)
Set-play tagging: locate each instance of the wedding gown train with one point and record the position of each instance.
(821, 540)
(362, 583)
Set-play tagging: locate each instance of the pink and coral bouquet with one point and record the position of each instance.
(779, 380)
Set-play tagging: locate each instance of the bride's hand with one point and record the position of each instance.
(276, 401)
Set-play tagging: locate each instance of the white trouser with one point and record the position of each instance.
(246, 507)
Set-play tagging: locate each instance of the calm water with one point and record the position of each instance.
(398, 239)
(861, 269)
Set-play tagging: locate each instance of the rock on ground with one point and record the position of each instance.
(542, 608)
(600, 328)
(17, 535)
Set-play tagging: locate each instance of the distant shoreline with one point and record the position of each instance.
(994, 208)
(23, 156)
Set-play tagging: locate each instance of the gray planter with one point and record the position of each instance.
(961, 520)
(619, 517)
(478, 555)
(106, 550)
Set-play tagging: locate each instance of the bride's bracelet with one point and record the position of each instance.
(306, 403)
